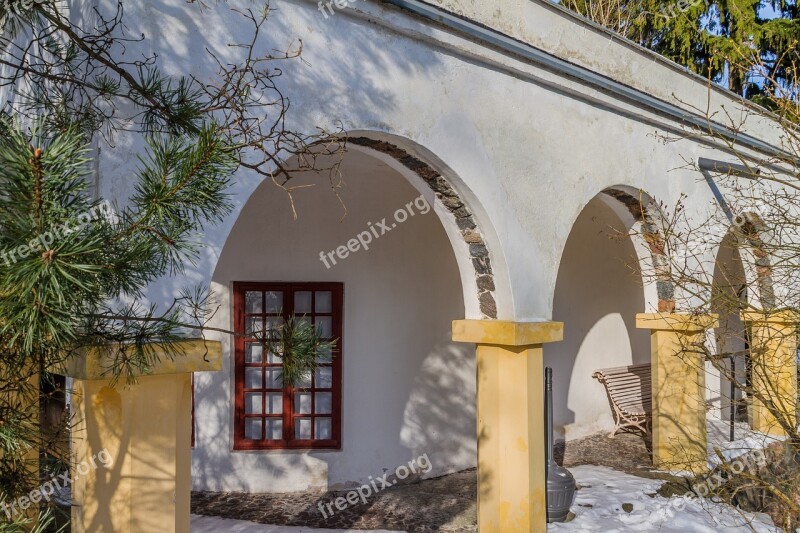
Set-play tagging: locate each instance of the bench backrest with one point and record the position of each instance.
(628, 386)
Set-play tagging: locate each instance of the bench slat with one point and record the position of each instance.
(630, 389)
(632, 403)
(638, 392)
(630, 398)
(631, 386)
(624, 377)
(624, 372)
(644, 367)
(637, 389)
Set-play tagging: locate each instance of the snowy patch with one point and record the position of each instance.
(611, 501)
(746, 440)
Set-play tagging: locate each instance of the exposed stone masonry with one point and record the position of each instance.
(647, 214)
(465, 220)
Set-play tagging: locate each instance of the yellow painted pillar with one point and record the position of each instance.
(773, 356)
(511, 463)
(678, 389)
(131, 445)
(19, 394)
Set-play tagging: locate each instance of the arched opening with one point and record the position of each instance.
(743, 281)
(598, 293)
(729, 295)
(406, 388)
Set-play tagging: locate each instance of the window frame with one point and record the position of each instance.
(193, 419)
(239, 314)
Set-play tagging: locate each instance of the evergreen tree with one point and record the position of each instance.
(750, 46)
(70, 261)
(73, 268)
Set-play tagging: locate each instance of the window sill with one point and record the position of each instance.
(298, 447)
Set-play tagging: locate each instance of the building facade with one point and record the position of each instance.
(500, 155)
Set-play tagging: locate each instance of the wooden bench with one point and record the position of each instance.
(630, 394)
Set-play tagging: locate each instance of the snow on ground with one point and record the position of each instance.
(212, 524)
(745, 441)
(599, 507)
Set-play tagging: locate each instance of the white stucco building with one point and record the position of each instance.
(497, 151)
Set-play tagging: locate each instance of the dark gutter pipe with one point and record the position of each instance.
(723, 167)
(493, 38)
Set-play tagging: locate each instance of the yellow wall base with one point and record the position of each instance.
(22, 396)
(131, 445)
(146, 432)
(511, 468)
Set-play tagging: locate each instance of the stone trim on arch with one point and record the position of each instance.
(465, 220)
(750, 232)
(647, 213)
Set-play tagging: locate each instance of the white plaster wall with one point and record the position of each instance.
(549, 26)
(407, 389)
(527, 157)
(598, 294)
(525, 148)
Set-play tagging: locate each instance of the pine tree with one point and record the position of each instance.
(73, 267)
(69, 261)
(731, 42)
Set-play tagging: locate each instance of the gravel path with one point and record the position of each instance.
(213, 524)
(445, 504)
(627, 452)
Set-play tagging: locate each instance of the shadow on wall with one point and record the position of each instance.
(407, 389)
(598, 294)
(338, 81)
(445, 385)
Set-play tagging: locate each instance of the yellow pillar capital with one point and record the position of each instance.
(145, 431)
(507, 333)
(511, 461)
(676, 321)
(772, 317)
(181, 357)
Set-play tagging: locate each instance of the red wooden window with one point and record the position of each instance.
(269, 416)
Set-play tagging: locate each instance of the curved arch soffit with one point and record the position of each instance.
(752, 239)
(645, 221)
(462, 217)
